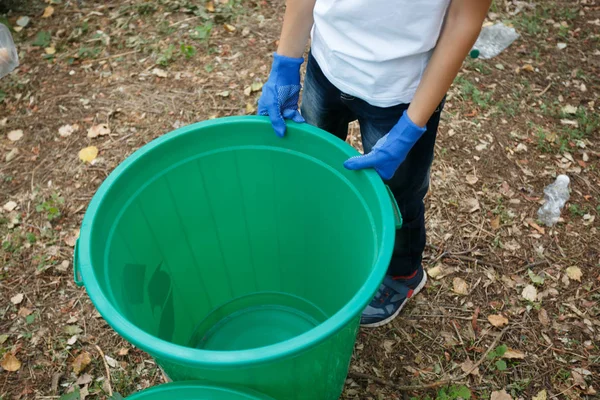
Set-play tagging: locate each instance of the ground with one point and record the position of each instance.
(515, 299)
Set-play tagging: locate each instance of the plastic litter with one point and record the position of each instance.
(493, 40)
(9, 59)
(556, 195)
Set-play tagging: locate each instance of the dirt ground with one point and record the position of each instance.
(512, 309)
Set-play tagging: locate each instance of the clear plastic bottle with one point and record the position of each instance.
(9, 60)
(493, 40)
(556, 195)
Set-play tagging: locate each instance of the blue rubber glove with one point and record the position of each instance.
(280, 95)
(391, 150)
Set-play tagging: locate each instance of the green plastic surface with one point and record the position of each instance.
(195, 391)
(220, 237)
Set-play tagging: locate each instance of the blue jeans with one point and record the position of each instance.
(325, 106)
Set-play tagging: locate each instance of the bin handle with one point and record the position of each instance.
(395, 208)
(76, 272)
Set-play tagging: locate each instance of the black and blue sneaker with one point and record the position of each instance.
(392, 296)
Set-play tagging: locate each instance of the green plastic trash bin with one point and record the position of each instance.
(237, 257)
(196, 391)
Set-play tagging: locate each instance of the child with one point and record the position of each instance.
(387, 64)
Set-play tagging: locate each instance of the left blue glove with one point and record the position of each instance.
(391, 150)
(281, 92)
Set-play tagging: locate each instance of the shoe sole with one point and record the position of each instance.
(389, 319)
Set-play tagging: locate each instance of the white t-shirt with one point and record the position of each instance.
(376, 50)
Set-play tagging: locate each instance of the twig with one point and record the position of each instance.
(460, 256)
(110, 392)
(359, 375)
(473, 260)
(184, 20)
(533, 264)
(543, 92)
(556, 396)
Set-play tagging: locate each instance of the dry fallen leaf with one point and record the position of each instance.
(569, 109)
(88, 154)
(123, 351)
(68, 130)
(542, 395)
(529, 293)
(471, 179)
(229, 27)
(15, 135)
(459, 286)
(17, 299)
(10, 362)
(543, 317)
(84, 379)
(250, 109)
(574, 273)
(9, 206)
(111, 362)
(48, 11)
(50, 50)
(472, 205)
(495, 222)
(497, 320)
(210, 7)
(500, 395)
(71, 238)
(98, 130)
(24, 312)
(578, 379)
(161, 73)
(81, 362)
(468, 366)
(528, 68)
(514, 354)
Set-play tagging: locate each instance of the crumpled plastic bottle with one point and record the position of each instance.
(493, 40)
(556, 195)
(9, 59)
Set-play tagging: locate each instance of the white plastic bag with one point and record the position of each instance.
(9, 59)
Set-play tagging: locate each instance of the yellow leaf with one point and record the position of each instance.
(88, 154)
(10, 362)
(81, 362)
(542, 395)
(495, 222)
(48, 11)
(250, 109)
(50, 50)
(574, 273)
(497, 320)
(528, 68)
(229, 27)
(459, 286)
(210, 7)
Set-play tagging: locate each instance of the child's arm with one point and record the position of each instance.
(297, 23)
(463, 24)
(281, 92)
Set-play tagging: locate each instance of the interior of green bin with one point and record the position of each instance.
(227, 211)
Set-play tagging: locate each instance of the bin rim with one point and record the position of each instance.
(168, 389)
(165, 350)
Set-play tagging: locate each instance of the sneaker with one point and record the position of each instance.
(391, 297)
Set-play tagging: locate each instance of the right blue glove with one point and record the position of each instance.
(281, 93)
